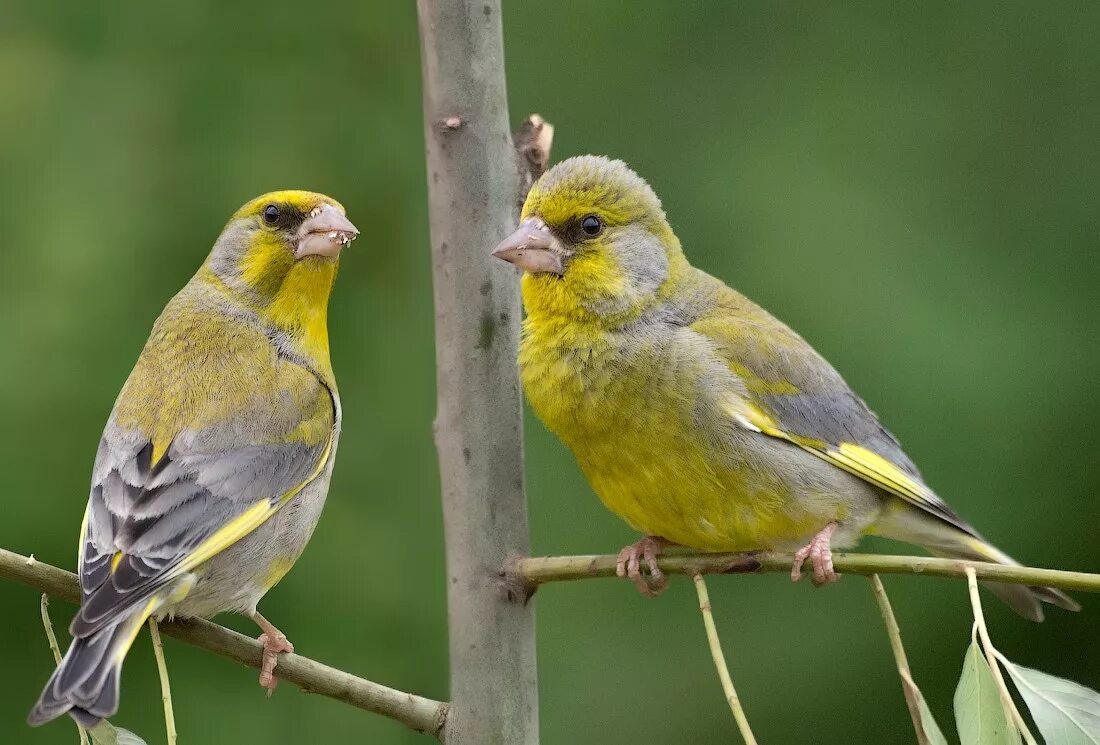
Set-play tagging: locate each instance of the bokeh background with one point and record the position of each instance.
(914, 189)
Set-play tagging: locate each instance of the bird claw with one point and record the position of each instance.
(629, 564)
(274, 645)
(820, 554)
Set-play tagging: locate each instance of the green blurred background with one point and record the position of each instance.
(915, 190)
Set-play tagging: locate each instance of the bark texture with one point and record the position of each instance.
(474, 186)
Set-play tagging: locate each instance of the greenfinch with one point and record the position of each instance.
(215, 462)
(698, 417)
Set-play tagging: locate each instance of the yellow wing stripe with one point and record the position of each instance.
(855, 459)
(136, 623)
(227, 535)
(83, 539)
(862, 462)
(873, 466)
(246, 522)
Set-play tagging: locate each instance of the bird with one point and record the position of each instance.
(215, 461)
(696, 416)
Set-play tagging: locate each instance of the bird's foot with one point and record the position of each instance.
(275, 643)
(820, 555)
(628, 564)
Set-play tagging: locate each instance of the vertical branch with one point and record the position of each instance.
(165, 684)
(51, 638)
(44, 607)
(909, 688)
(473, 188)
(991, 658)
(715, 645)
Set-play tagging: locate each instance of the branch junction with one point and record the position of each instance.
(421, 714)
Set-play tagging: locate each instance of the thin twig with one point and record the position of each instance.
(533, 141)
(165, 687)
(50, 636)
(538, 570)
(416, 712)
(52, 639)
(991, 658)
(720, 661)
(908, 686)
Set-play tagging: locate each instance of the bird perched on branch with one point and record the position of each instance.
(215, 462)
(697, 416)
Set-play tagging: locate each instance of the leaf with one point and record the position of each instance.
(106, 733)
(126, 737)
(931, 732)
(979, 714)
(103, 734)
(1065, 712)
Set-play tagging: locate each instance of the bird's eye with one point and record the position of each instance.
(592, 226)
(271, 214)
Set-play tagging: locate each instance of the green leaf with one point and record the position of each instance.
(106, 733)
(1065, 712)
(979, 714)
(126, 737)
(930, 732)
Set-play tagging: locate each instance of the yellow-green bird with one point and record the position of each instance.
(215, 462)
(698, 417)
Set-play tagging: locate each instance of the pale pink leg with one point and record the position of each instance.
(628, 564)
(275, 643)
(820, 555)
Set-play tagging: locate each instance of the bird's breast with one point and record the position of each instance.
(580, 382)
(640, 413)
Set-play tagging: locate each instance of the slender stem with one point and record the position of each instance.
(908, 686)
(720, 661)
(420, 714)
(50, 636)
(991, 658)
(165, 686)
(52, 639)
(538, 570)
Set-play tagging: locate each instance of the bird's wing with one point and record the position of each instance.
(208, 439)
(792, 393)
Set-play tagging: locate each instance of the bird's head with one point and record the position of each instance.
(272, 234)
(593, 239)
(279, 254)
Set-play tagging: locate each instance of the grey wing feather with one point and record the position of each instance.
(794, 385)
(837, 416)
(155, 514)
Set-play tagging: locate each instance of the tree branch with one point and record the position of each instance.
(990, 651)
(165, 683)
(719, 658)
(476, 179)
(535, 571)
(51, 638)
(533, 139)
(909, 688)
(421, 714)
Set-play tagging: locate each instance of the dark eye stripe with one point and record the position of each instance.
(281, 216)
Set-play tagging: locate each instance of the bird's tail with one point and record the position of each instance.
(86, 683)
(943, 539)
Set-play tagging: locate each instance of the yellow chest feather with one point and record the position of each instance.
(204, 366)
(627, 407)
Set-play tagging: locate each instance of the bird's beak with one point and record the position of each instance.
(324, 232)
(533, 248)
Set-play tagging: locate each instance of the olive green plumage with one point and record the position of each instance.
(214, 464)
(696, 415)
